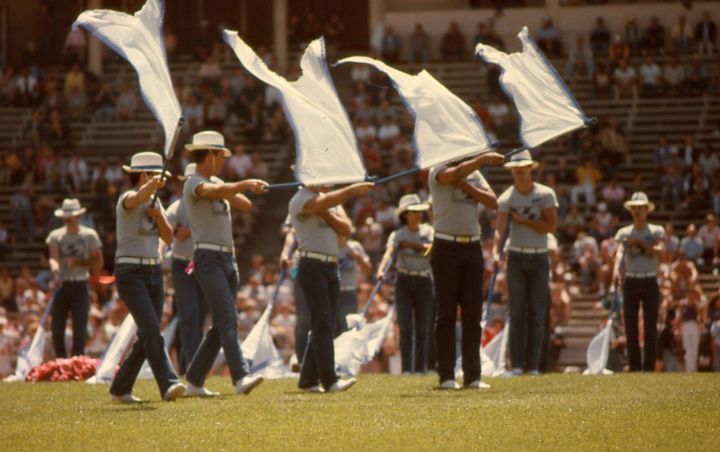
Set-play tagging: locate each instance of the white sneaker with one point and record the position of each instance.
(342, 385)
(125, 398)
(173, 392)
(247, 384)
(317, 389)
(449, 384)
(534, 373)
(516, 372)
(199, 391)
(477, 384)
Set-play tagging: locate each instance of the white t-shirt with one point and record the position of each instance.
(650, 73)
(625, 77)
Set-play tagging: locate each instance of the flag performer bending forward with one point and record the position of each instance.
(643, 243)
(457, 263)
(139, 277)
(317, 217)
(207, 202)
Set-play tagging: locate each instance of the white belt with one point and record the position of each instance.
(457, 238)
(137, 260)
(318, 256)
(517, 249)
(347, 288)
(641, 275)
(214, 247)
(75, 279)
(414, 272)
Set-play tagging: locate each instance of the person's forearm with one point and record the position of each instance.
(541, 226)
(164, 230)
(341, 225)
(333, 198)
(96, 262)
(224, 190)
(240, 202)
(486, 197)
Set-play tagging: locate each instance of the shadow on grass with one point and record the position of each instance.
(121, 407)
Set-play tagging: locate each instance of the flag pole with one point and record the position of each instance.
(496, 270)
(173, 142)
(284, 185)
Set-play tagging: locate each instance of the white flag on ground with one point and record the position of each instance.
(139, 39)
(260, 352)
(116, 350)
(168, 335)
(492, 356)
(598, 352)
(546, 106)
(356, 347)
(30, 358)
(446, 128)
(327, 151)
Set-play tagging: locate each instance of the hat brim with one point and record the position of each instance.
(69, 214)
(129, 169)
(205, 147)
(413, 208)
(510, 165)
(649, 205)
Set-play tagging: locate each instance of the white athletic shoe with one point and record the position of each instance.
(534, 373)
(477, 384)
(199, 391)
(173, 392)
(449, 384)
(342, 385)
(247, 384)
(125, 398)
(516, 372)
(317, 389)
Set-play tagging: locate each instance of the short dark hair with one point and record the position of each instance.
(200, 155)
(134, 178)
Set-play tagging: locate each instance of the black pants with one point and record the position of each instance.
(635, 292)
(71, 298)
(458, 274)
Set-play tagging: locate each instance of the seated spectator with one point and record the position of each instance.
(365, 131)
(613, 147)
(602, 82)
(582, 243)
(388, 132)
(650, 77)
(618, 51)
(587, 179)
(653, 42)
(674, 77)
(580, 54)
(209, 72)
(487, 35)
(708, 161)
(709, 233)
(624, 79)
(548, 38)
(27, 89)
(104, 103)
(672, 184)
(126, 104)
(603, 223)
(239, 165)
(452, 47)
(194, 115)
(77, 171)
(696, 78)
(572, 223)
(390, 49)
(419, 48)
(633, 36)
(692, 245)
(671, 245)
(688, 151)
(681, 35)
(600, 38)
(590, 264)
(614, 196)
(74, 79)
(706, 34)
(216, 113)
(683, 275)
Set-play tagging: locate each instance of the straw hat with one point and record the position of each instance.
(639, 199)
(520, 159)
(70, 208)
(208, 139)
(189, 171)
(412, 203)
(146, 162)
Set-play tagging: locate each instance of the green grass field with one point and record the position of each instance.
(630, 412)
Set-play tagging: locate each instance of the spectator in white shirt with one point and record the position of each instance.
(624, 78)
(709, 234)
(194, 115)
(365, 131)
(239, 164)
(650, 77)
(77, 171)
(692, 245)
(388, 132)
(709, 161)
(674, 75)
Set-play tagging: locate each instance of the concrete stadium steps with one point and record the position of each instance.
(12, 121)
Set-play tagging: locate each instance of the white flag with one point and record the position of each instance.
(139, 39)
(492, 356)
(260, 352)
(356, 347)
(598, 351)
(327, 151)
(115, 351)
(547, 108)
(30, 358)
(446, 128)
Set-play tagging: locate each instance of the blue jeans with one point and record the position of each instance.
(458, 274)
(72, 297)
(191, 309)
(141, 289)
(320, 283)
(414, 300)
(348, 304)
(218, 278)
(527, 280)
(302, 322)
(643, 291)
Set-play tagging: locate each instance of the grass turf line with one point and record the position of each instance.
(629, 412)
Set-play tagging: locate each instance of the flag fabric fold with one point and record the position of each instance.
(359, 345)
(598, 352)
(139, 39)
(492, 356)
(446, 128)
(115, 351)
(546, 106)
(260, 352)
(327, 150)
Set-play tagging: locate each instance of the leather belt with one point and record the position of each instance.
(214, 247)
(414, 272)
(641, 275)
(457, 238)
(318, 256)
(518, 249)
(137, 260)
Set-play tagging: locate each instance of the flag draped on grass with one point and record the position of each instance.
(35, 353)
(446, 128)
(492, 356)
(115, 351)
(546, 106)
(139, 39)
(327, 151)
(360, 344)
(598, 352)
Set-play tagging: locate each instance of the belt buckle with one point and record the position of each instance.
(462, 239)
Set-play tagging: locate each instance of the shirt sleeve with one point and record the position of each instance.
(361, 251)
(172, 215)
(550, 199)
(51, 238)
(621, 235)
(193, 182)
(94, 240)
(392, 239)
(504, 201)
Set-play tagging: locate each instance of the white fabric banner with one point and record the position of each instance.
(168, 335)
(139, 39)
(32, 357)
(598, 352)
(259, 350)
(492, 356)
(446, 128)
(356, 347)
(547, 108)
(116, 350)
(327, 151)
